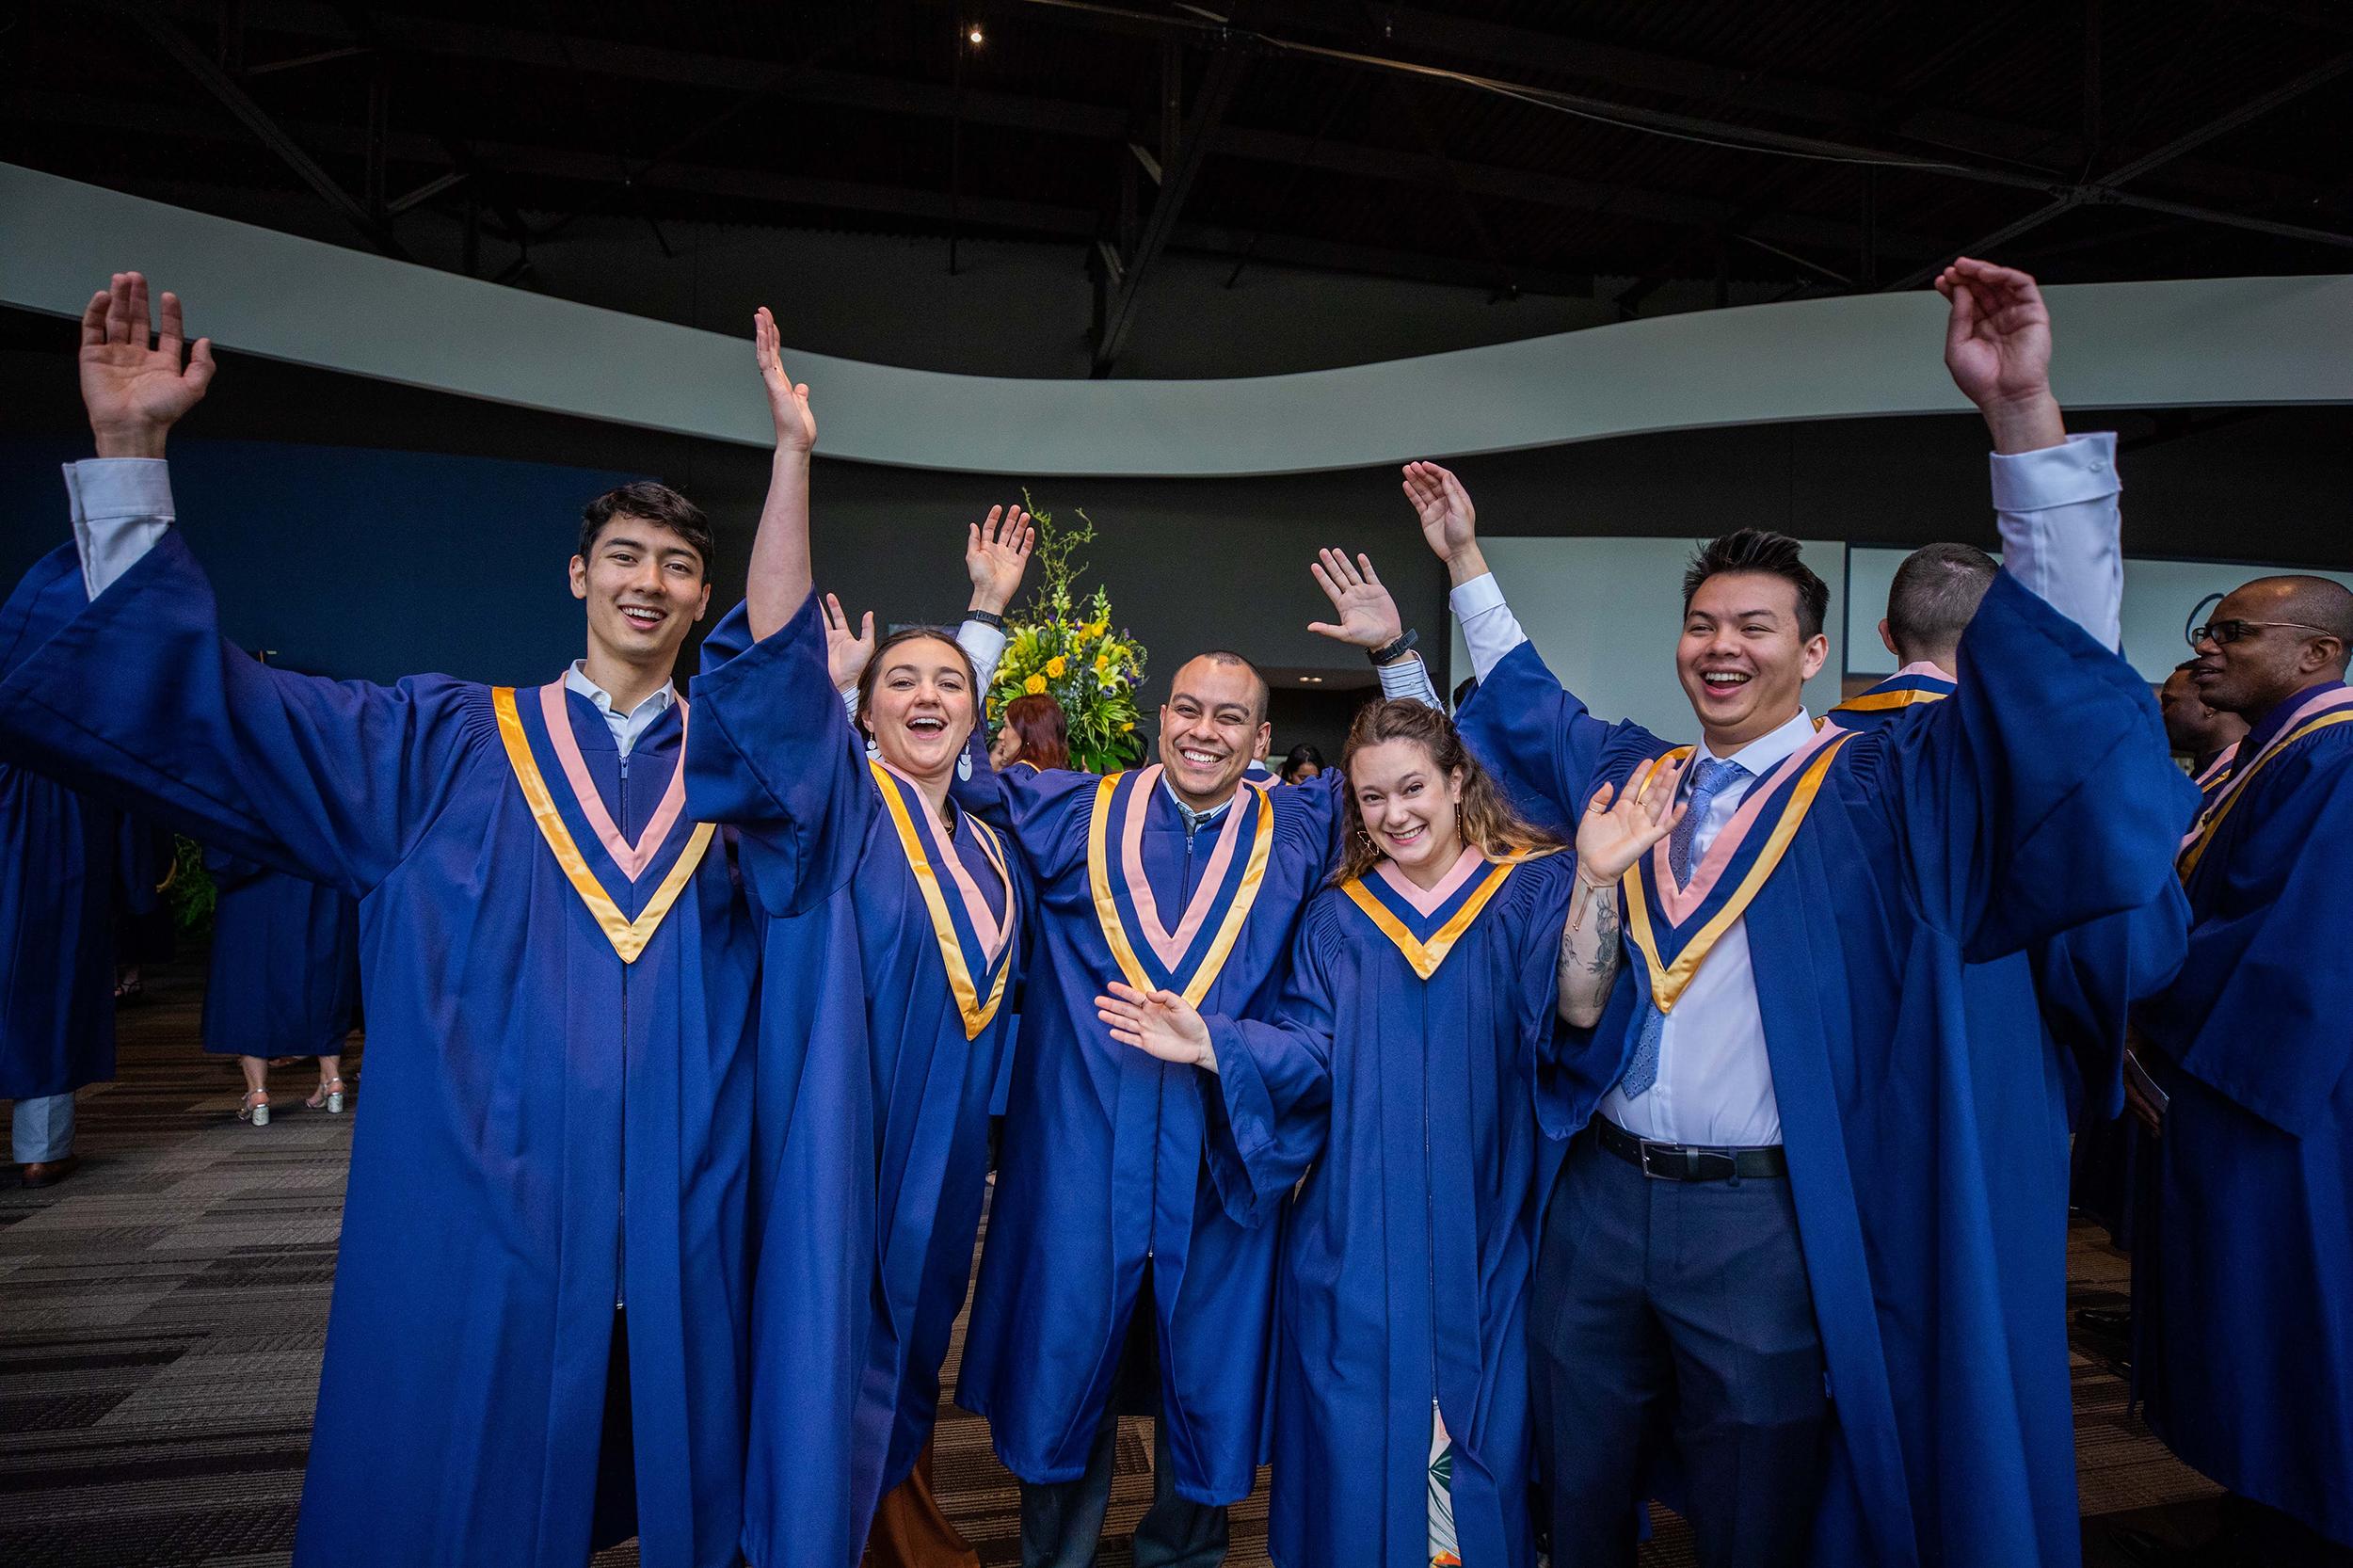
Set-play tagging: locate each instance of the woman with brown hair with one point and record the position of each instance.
(1404, 1079)
(1034, 731)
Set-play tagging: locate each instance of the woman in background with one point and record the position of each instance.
(1034, 731)
(284, 978)
(1300, 763)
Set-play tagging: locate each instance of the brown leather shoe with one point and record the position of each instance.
(48, 1172)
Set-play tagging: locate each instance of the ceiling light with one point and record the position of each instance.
(972, 36)
(1312, 679)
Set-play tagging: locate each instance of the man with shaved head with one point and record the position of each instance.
(1121, 1277)
(2245, 1268)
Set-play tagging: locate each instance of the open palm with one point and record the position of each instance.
(997, 554)
(1369, 617)
(1161, 1023)
(788, 400)
(134, 390)
(1619, 828)
(847, 652)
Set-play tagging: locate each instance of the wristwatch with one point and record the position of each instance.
(1396, 650)
(986, 618)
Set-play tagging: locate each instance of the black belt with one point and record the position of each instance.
(1689, 1162)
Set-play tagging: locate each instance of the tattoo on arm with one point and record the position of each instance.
(1589, 959)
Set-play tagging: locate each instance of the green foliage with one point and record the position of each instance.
(191, 890)
(1065, 647)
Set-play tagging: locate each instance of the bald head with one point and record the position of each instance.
(2319, 603)
(2287, 632)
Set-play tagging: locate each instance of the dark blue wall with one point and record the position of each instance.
(353, 561)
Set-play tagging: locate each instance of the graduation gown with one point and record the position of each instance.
(2243, 1281)
(887, 953)
(1100, 1167)
(1399, 1078)
(559, 971)
(144, 927)
(1876, 867)
(2075, 991)
(286, 969)
(58, 897)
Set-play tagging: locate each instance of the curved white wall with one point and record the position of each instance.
(2205, 342)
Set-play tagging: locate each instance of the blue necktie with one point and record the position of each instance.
(1710, 778)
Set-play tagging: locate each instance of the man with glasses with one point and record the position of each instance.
(2245, 1270)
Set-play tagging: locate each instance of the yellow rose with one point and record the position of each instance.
(1102, 666)
(1035, 685)
(1127, 727)
(1055, 666)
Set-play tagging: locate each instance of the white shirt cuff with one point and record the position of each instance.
(122, 506)
(2061, 531)
(1490, 630)
(986, 645)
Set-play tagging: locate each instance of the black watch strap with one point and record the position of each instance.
(986, 618)
(1396, 650)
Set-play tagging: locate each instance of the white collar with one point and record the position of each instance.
(576, 680)
(1760, 755)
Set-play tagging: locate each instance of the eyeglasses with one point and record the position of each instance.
(2225, 632)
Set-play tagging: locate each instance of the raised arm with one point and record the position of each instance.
(2041, 796)
(1618, 829)
(114, 678)
(780, 580)
(996, 556)
(2055, 495)
(770, 746)
(1369, 620)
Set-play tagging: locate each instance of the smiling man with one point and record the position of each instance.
(536, 1340)
(1118, 1277)
(1770, 1275)
(2240, 1286)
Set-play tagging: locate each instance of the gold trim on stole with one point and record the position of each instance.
(1874, 702)
(1426, 957)
(2187, 860)
(1668, 981)
(1228, 930)
(629, 938)
(975, 1012)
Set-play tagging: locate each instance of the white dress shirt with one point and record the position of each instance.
(2059, 524)
(626, 726)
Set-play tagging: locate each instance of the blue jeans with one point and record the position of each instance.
(1062, 1523)
(43, 1129)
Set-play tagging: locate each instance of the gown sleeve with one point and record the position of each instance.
(1046, 812)
(135, 696)
(1546, 750)
(1267, 1107)
(2042, 794)
(770, 751)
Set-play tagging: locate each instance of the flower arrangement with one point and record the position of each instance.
(1066, 648)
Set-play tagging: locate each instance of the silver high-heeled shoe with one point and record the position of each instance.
(253, 1105)
(327, 1097)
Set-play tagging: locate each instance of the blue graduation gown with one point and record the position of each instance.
(144, 927)
(548, 1127)
(2244, 1273)
(885, 999)
(286, 969)
(1966, 834)
(57, 938)
(2075, 990)
(1100, 1168)
(1408, 1101)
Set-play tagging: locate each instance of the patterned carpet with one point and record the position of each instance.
(163, 1312)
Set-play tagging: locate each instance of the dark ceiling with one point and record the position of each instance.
(1612, 148)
